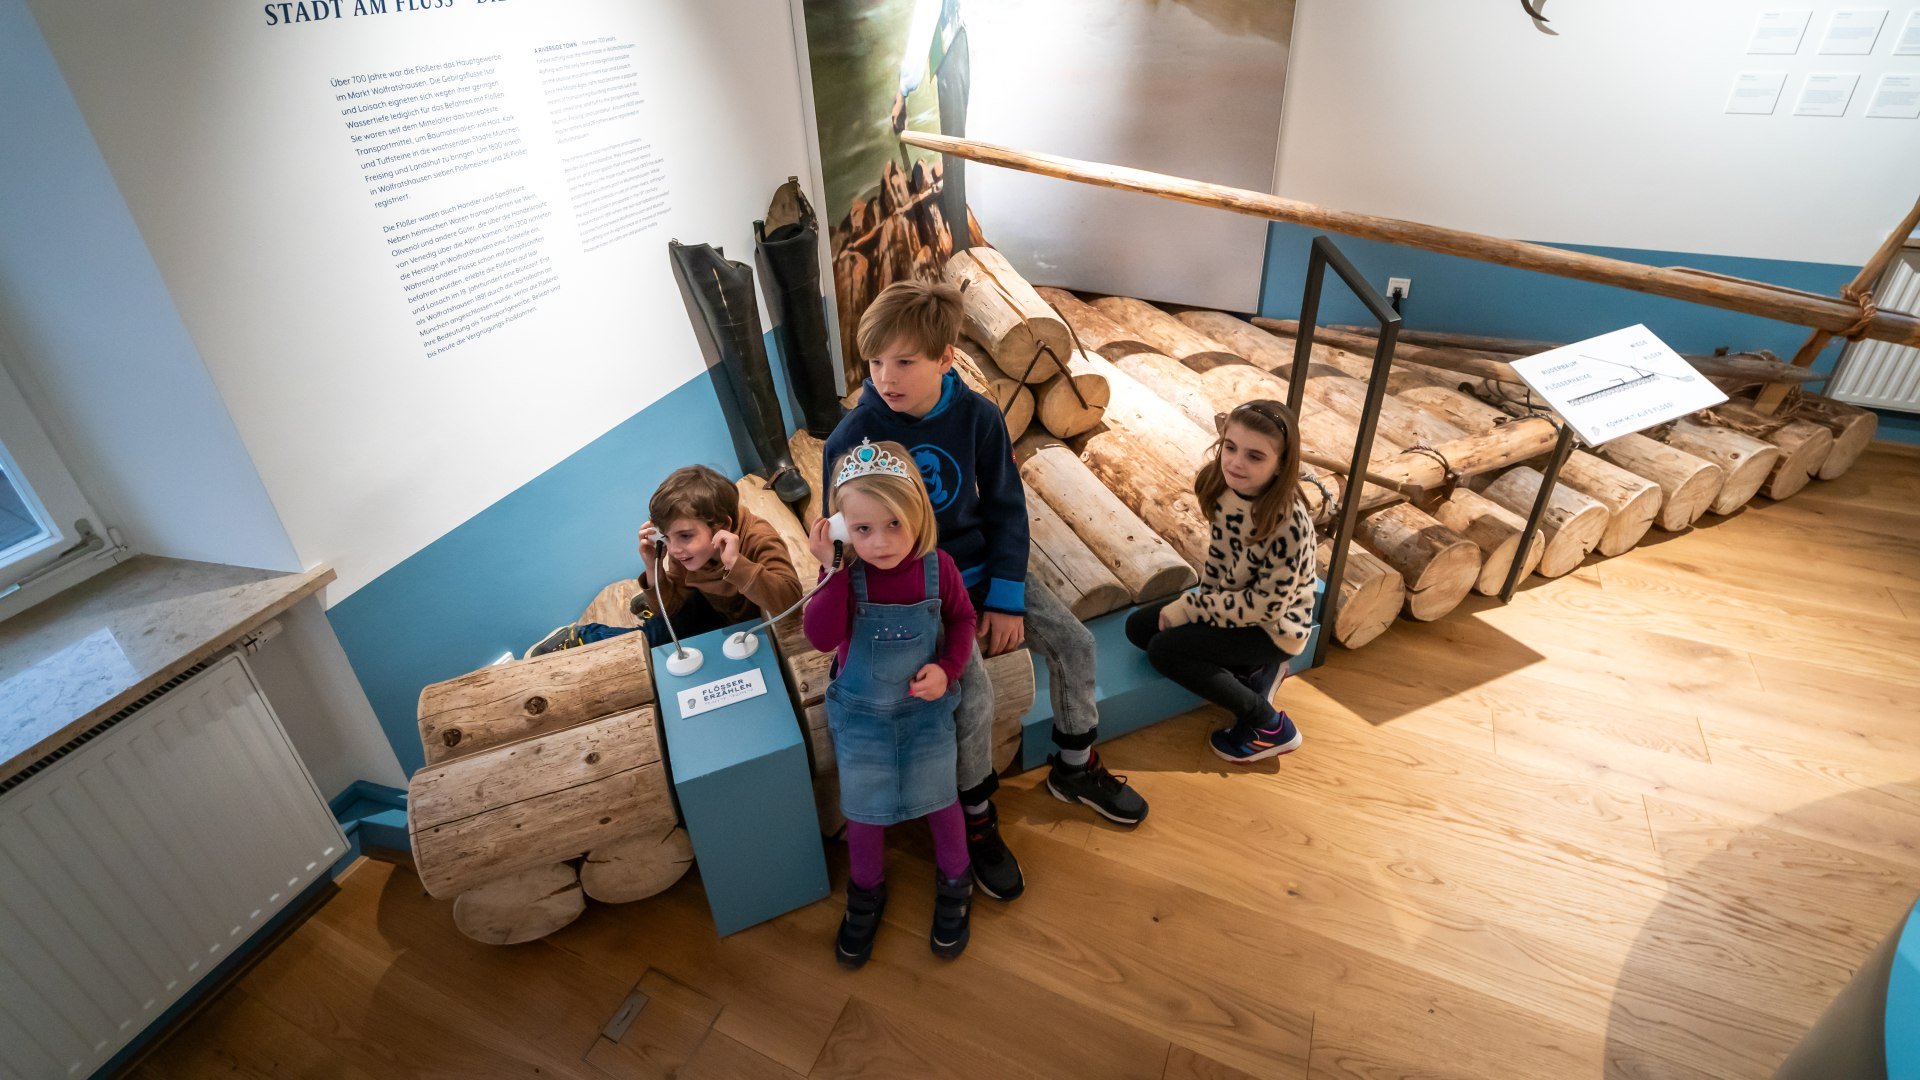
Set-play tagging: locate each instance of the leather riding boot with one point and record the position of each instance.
(719, 298)
(788, 243)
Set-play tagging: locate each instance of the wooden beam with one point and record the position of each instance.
(1745, 367)
(1829, 313)
(1770, 397)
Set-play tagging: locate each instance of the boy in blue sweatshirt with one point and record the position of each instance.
(959, 440)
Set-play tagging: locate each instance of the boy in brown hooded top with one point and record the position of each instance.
(721, 565)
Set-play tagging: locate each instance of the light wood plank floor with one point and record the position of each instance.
(1642, 822)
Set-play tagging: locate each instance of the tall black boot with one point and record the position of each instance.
(788, 242)
(719, 299)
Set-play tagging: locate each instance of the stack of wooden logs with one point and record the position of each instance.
(545, 784)
(1173, 372)
(1458, 459)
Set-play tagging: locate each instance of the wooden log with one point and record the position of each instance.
(1011, 396)
(1073, 403)
(526, 698)
(1438, 565)
(1002, 312)
(1469, 456)
(808, 454)
(1175, 383)
(1496, 531)
(638, 866)
(523, 906)
(1632, 501)
(1091, 329)
(1162, 331)
(1440, 350)
(1744, 460)
(613, 605)
(1733, 294)
(1688, 483)
(1146, 453)
(1145, 565)
(1727, 367)
(1852, 427)
(1371, 595)
(1804, 445)
(759, 500)
(531, 802)
(1249, 342)
(1572, 524)
(1060, 561)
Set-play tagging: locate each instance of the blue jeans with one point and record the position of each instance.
(1065, 645)
(696, 616)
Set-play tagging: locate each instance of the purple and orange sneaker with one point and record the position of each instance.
(1244, 743)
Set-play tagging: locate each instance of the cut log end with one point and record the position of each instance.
(1804, 448)
(523, 906)
(1371, 596)
(1630, 521)
(636, 867)
(1572, 524)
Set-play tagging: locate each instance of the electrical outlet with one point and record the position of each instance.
(1399, 286)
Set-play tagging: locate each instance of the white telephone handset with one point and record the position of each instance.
(837, 528)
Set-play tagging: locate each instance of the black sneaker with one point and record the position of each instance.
(561, 637)
(1092, 784)
(854, 944)
(995, 869)
(1244, 743)
(952, 911)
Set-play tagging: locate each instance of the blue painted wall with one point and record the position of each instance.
(503, 578)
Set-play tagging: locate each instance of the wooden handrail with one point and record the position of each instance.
(1831, 314)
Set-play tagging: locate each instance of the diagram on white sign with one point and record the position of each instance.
(1617, 384)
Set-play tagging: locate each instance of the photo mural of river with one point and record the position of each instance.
(1107, 80)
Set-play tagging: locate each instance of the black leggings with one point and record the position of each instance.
(1203, 659)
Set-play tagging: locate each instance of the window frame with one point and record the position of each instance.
(49, 489)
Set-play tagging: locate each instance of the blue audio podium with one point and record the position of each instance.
(740, 773)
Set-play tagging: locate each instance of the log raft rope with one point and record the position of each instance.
(1836, 315)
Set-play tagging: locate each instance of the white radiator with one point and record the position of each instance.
(1880, 373)
(140, 860)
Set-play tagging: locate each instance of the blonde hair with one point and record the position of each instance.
(925, 315)
(905, 497)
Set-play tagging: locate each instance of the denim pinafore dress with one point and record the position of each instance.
(895, 751)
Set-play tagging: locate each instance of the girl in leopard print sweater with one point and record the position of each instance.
(1229, 640)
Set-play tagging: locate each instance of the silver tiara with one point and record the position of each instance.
(868, 459)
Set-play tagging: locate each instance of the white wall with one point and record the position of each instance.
(224, 136)
(97, 344)
(113, 376)
(1167, 87)
(1611, 133)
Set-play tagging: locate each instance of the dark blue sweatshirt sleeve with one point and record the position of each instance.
(1003, 515)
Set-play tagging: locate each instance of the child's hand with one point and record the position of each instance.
(649, 536)
(729, 545)
(820, 542)
(1002, 633)
(1164, 624)
(929, 683)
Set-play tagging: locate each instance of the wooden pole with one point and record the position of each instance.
(1731, 367)
(1829, 313)
(1870, 272)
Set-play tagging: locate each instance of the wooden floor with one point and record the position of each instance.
(1642, 822)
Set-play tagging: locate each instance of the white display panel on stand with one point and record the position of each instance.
(306, 184)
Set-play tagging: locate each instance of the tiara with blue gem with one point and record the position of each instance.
(868, 460)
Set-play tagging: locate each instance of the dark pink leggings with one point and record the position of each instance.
(866, 846)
